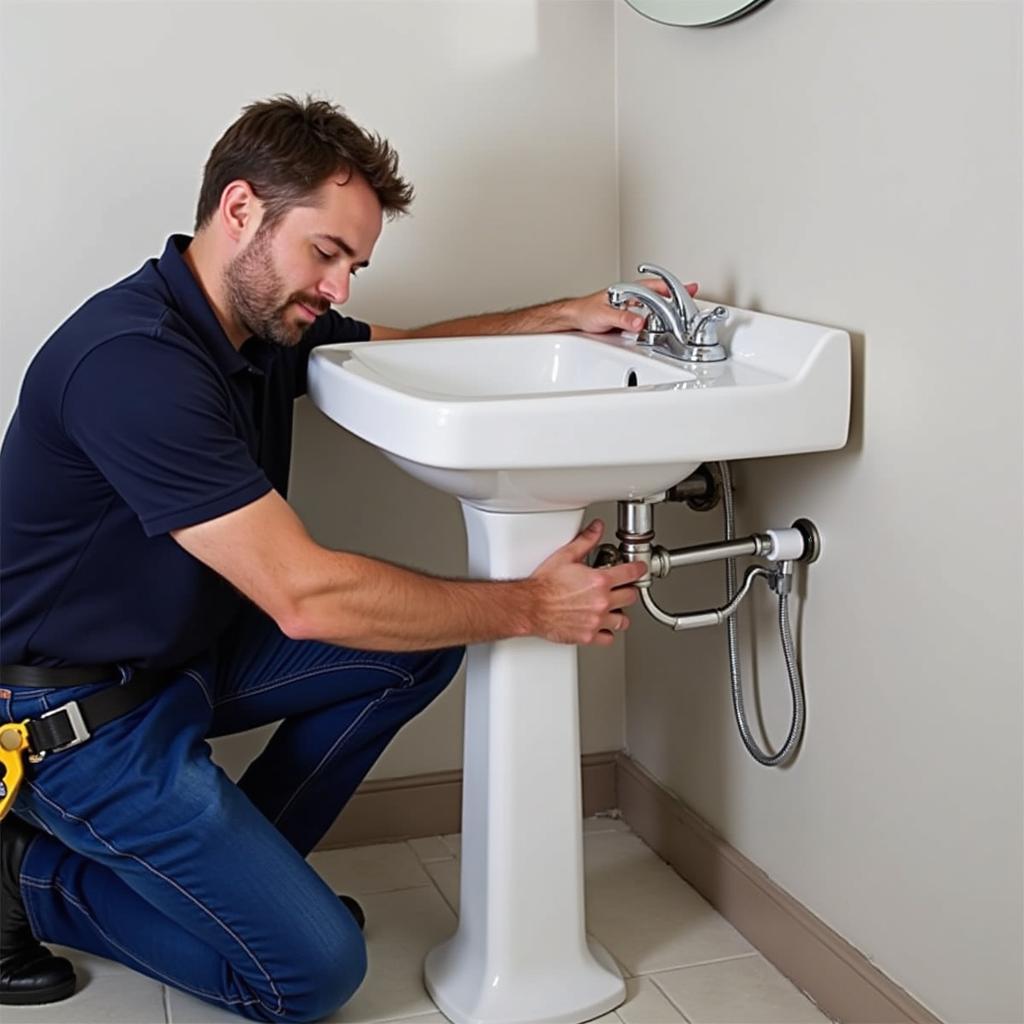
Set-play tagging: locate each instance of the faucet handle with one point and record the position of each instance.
(703, 331)
(617, 296)
(680, 296)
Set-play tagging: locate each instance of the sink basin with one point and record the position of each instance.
(557, 421)
(527, 431)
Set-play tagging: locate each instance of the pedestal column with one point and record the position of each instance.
(520, 953)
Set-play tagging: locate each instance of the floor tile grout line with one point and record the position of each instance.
(675, 1006)
(387, 892)
(431, 860)
(697, 963)
(404, 1017)
(444, 898)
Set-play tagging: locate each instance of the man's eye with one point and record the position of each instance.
(325, 256)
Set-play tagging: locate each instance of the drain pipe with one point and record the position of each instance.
(800, 542)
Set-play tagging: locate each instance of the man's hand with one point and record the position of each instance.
(580, 605)
(594, 314)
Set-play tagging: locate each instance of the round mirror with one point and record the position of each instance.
(694, 12)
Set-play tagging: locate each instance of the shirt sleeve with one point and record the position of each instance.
(159, 424)
(330, 329)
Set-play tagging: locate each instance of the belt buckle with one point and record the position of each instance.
(78, 728)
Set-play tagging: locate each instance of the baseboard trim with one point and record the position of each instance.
(839, 978)
(389, 810)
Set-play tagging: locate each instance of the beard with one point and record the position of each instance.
(258, 297)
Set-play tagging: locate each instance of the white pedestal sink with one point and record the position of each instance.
(526, 432)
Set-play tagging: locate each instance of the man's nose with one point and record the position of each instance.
(334, 288)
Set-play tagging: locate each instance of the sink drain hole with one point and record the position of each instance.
(631, 381)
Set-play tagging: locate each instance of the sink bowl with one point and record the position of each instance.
(557, 421)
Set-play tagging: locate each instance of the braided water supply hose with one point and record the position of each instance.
(796, 686)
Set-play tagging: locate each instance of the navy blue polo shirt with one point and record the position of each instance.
(137, 417)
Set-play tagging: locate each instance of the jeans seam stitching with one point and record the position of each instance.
(336, 746)
(39, 883)
(170, 881)
(283, 680)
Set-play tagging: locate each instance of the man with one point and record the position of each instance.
(157, 584)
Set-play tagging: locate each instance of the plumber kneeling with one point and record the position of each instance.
(159, 591)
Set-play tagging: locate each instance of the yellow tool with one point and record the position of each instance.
(13, 744)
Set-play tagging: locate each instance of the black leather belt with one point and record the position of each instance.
(74, 722)
(73, 675)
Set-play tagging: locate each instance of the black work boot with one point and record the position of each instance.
(355, 910)
(29, 972)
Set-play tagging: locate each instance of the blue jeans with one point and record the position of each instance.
(154, 858)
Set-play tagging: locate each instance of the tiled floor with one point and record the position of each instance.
(682, 961)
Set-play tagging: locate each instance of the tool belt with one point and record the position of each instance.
(72, 723)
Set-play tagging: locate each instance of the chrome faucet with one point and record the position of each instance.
(674, 325)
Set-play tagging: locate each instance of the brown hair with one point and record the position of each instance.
(286, 148)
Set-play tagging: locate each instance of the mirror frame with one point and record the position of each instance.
(694, 12)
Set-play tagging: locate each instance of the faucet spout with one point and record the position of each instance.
(680, 296)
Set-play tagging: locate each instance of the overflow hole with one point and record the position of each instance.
(631, 379)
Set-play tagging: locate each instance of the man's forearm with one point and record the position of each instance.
(372, 605)
(549, 316)
(591, 313)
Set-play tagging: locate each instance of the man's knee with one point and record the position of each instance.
(323, 969)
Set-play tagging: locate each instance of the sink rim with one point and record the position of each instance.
(784, 390)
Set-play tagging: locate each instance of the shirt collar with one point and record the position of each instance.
(196, 309)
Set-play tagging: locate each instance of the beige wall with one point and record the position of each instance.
(858, 164)
(503, 113)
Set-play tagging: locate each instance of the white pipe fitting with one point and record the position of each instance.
(786, 545)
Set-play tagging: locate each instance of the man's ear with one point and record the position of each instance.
(238, 207)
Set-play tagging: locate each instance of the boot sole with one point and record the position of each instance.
(31, 997)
